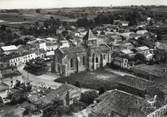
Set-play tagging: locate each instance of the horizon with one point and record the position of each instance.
(80, 7)
(50, 4)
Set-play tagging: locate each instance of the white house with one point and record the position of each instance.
(42, 46)
(64, 44)
(141, 32)
(22, 59)
(50, 46)
(9, 49)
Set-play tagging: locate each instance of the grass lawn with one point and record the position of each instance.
(102, 78)
(92, 80)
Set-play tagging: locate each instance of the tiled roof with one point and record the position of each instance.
(127, 51)
(142, 48)
(15, 55)
(100, 48)
(72, 50)
(89, 35)
(3, 87)
(117, 101)
(9, 48)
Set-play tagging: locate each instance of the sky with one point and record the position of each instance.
(13, 4)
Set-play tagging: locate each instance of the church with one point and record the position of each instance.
(91, 55)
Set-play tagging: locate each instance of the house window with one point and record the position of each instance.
(96, 59)
(83, 60)
(72, 63)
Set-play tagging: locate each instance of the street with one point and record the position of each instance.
(45, 80)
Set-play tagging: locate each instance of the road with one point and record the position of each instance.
(45, 80)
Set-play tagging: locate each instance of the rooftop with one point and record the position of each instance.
(126, 51)
(119, 102)
(89, 35)
(142, 48)
(3, 86)
(71, 51)
(9, 48)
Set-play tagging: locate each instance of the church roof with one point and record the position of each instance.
(89, 35)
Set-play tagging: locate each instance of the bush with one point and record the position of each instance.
(18, 96)
(101, 90)
(77, 84)
(88, 97)
(77, 106)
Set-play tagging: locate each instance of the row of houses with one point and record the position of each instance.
(17, 55)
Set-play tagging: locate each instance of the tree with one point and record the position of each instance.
(101, 90)
(88, 97)
(140, 57)
(77, 84)
(3, 27)
(84, 22)
(17, 97)
(103, 19)
(155, 90)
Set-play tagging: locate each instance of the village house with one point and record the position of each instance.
(141, 32)
(64, 44)
(8, 49)
(117, 103)
(120, 62)
(128, 53)
(89, 56)
(50, 46)
(24, 54)
(147, 52)
(66, 93)
(42, 45)
(134, 36)
(127, 45)
(21, 59)
(143, 49)
(121, 23)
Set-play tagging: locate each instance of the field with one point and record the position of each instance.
(28, 16)
(25, 19)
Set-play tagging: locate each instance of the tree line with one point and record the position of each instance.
(132, 14)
